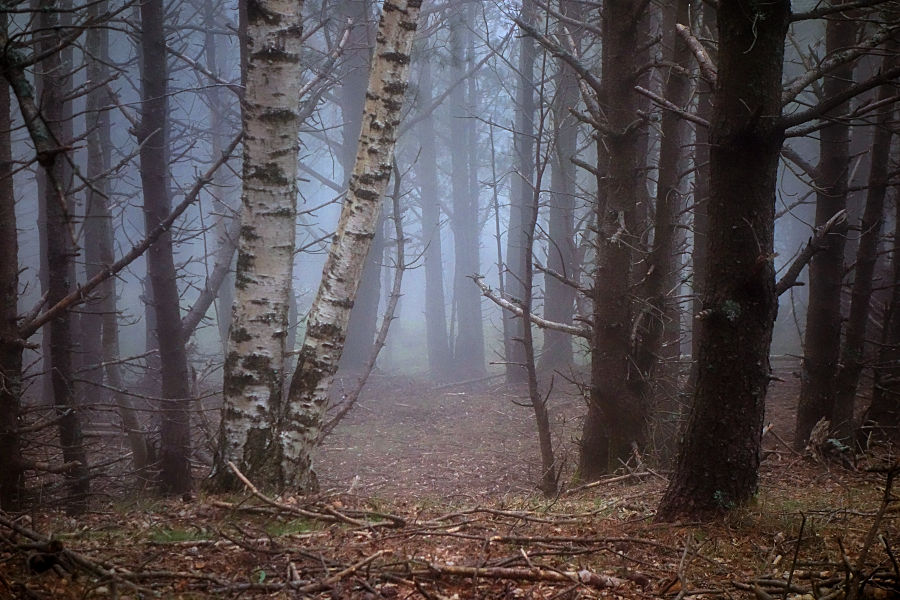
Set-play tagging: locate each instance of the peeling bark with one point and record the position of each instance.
(254, 363)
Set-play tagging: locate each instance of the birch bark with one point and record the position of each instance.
(327, 322)
(254, 362)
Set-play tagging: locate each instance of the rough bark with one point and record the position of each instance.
(559, 298)
(439, 357)
(852, 359)
(175, 443)
(254, 366)
(617, 413)
(719, 458)
(822, 338)
(330, 311)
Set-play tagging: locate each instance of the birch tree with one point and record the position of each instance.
(254, 361)
(328, 317)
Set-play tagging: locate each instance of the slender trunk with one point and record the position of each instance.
(102, 319)
(60, 255)
(175, 442)
(719, 458)
(327, 321)
(521, 192)
(853, 349)
(822, 339)
(549, 472)
(617, 414)
(559, 298)
(439, 357)
(12, 485)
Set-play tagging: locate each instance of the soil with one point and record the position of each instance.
(430, 493)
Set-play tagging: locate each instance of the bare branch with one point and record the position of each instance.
(487, 292)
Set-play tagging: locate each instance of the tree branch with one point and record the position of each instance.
(487, 292)
(813, 246)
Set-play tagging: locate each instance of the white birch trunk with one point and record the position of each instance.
(327, 322)
(254, 362)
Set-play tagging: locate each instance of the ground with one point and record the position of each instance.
(430, 493)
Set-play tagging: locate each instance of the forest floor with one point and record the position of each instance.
(431, 494)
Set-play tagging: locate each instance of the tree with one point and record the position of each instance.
(852, 358)
(559, 296)
(152, 135)
(437, 340)
(520, 196)
(11, 346)
(468, 347)
(719, 456)
(254, 363)
(60, 247)
(822, 340)
(328, 317)
(617, 412)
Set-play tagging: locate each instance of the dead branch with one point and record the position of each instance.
(707, 67)
(816, 243)
(488, 293)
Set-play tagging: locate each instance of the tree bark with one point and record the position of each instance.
(719, 458)
(330, 311)
(175, 442)
(822, 339)
(254, 367)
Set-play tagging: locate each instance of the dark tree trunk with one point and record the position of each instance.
(175, 442)
(822, 339)
(617, 413)
(559, 298)
(439, 357)
(468, 350)
(364, 317)
(521, 191)
(60, 266)
(853, 349)
(11, 475)
(719, 458)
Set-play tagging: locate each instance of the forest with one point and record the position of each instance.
(449, 299)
